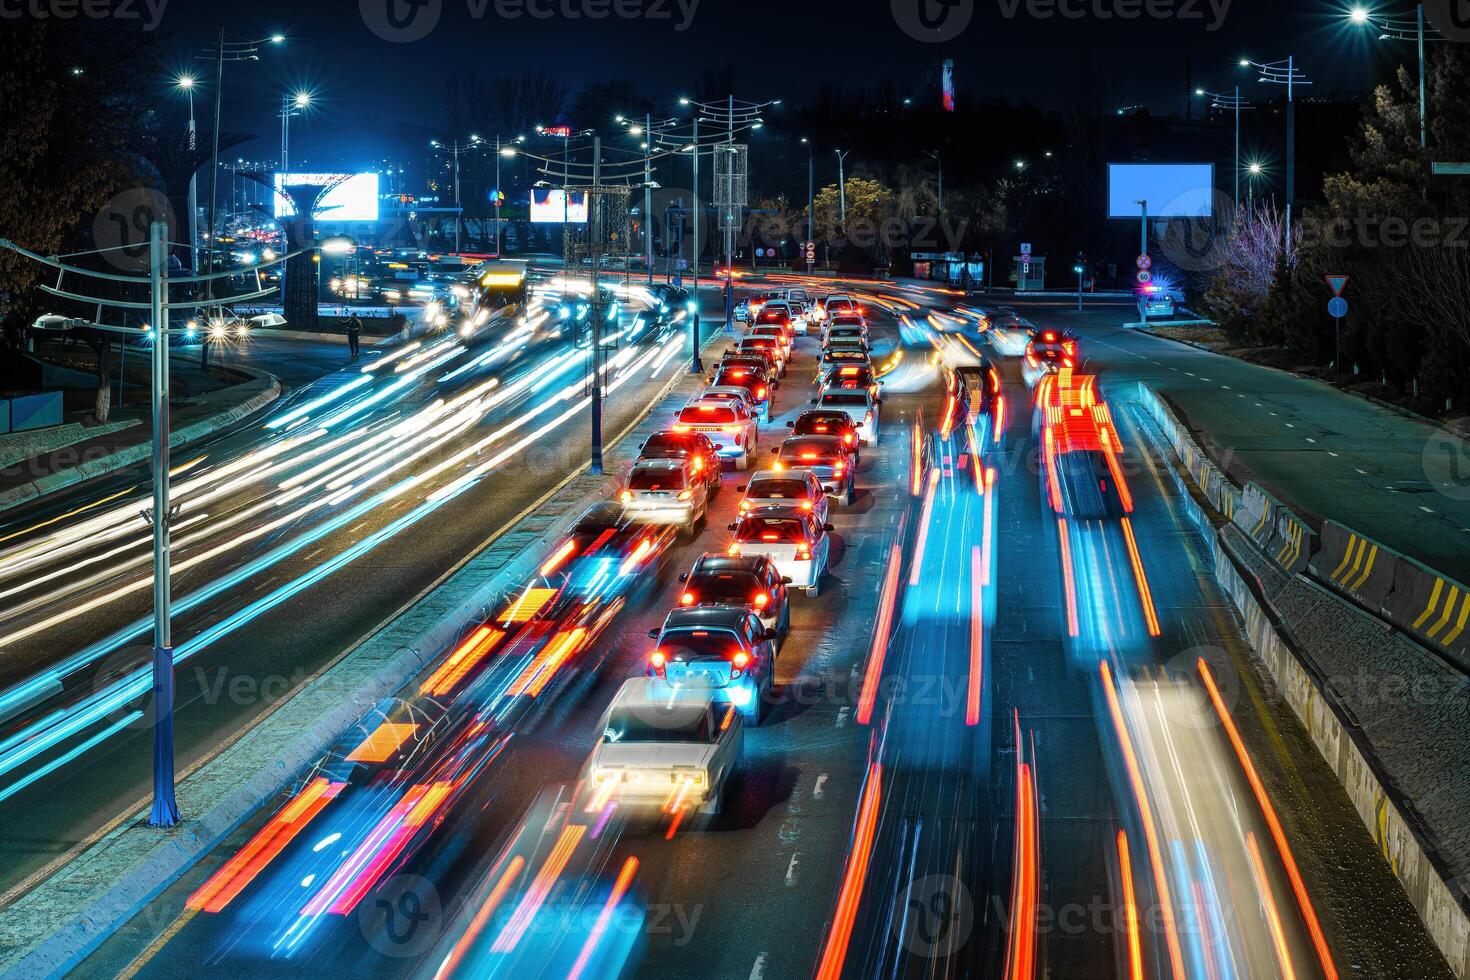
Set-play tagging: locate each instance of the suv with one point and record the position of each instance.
(827, 458)
(604, 542)
(816, 422)
(760, 343)
(724, 650)
(731, 422)
(666, 491)
(798, 487)
(790, 537)
(855, 377)
(749, 582)
(751, 379)
(857, 404)
(685, 445)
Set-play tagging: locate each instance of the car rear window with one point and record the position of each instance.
(735, 379)
(780, 530)
(758, 343)
(718, 586)
(672, 442)
(845, 398)
(777, 490)
(699, 644)
(670, 479)
(659, 723)
(821, 424)
(772, 332)
(707, 415)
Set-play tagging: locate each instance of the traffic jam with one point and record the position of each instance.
(616, 718)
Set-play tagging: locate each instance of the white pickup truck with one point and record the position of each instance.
(667, 746)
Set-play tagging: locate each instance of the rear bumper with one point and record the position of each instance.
(803, 574)
(660, 513)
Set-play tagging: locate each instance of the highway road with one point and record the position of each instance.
(300, 530)
(1008, 740)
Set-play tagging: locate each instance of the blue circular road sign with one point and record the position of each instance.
(1337, 307)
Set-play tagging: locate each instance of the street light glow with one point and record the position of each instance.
(507, 151)
(277, 38)
(302, 100)
(1359, 15)
(185, 81)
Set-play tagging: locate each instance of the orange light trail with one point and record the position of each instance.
(1068, 584)
(887, 602)
(1023, 911)
(530, 902)
(924, 514)
(1273, 917)
(1309, 914)
(1145, 594)
(1145, 811)
(543, 667)
(482, 916)
(917, 447)
(977, 637)
(561, 554)
(461, 662)
(854, 877)
(1130, 909)
(1000, 416)
(619, 889)
(383, 742)
(988, 528)
(237, 873)
(527, 605)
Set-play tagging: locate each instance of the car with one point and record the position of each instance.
(659, 744)
(752, 380)
(1063, 341)
(688, 444)
(858, 404)
(603, 547)
(800, 487)
(1051, 360)
(729, 393)
(815, 422)
(828, 458)
(790, 537)
(760, 359)
(667, 301)
(842, 336)
(853, 376)
(778, 334)
(847, 321)
(725, 650)
(772, 345)
(775, 311)
(731, 423)
(975, 387)
(827, 305)
(748, 581)
(1155, 302)
(666, 491)
(834, 358)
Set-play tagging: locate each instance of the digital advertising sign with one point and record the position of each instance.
(552, 205)
(355, 198)
(1172, 190)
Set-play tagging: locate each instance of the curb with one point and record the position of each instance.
(304, 725)
(274, 333)
(133, 454)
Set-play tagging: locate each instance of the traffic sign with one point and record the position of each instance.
(1337, 284)
(1337, 308)
(760, 253)
(1025, 248)
(1144, 275)
(1144, 262)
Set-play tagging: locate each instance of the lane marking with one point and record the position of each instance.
(758, 971)
(791, 871)
(817, 786)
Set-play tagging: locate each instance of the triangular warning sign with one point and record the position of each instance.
(1337, 284)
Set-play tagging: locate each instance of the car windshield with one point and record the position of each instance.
(651, 722)
(733, 588)
(845, 398)
(707, 415)
(777, 490)
(670, 479)
(771, 529)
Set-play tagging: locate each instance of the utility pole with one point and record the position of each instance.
(458, 208)
(648, 193)
(695, 367)
(1143, 250)
(596, 250)
(841, 188)
(729, 215)
(165, 811)
(809, 247)
(1286, 73)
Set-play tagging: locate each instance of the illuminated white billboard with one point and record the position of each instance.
(553, 205)
(355, 198)
(1172, 190)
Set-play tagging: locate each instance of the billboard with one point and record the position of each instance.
(550, 205)
(1172, 190)
(354, 199)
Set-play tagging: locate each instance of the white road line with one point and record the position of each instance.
(1364, 472)
(1332, 454)
(1311, 440)
(842, 713)
(817, 787)
(758, 971)
(791, 871)
(1427, 510)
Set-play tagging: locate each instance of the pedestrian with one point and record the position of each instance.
(354, 335)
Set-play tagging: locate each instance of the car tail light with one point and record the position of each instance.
(687, 599)
(808, 456)
(734, 550)
(626, 496)
(807, 505)
(681, 428)
(847, 439)
(803, 552)
(839, 468)
(760, 393)
(739, 662)
(868, 419)
(656, 660)
(686, 494)
(821, 428)
(733, 430)
(698, 464)
(761, 600)
(778, 466)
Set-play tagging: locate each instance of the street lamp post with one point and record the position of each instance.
(1288, 74)
(841, 188)
(1080, 270)
(809, 248)
(290, 106)
(501, 150)
(695, 367)
(1235, 102)
(186, 84)
(1400, 28)
(940, 163)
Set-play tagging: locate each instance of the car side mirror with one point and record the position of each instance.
(717, 445)
(684, 577)
(741, 488)
(772, 635)
(785, 580)
(653, 634)
(791, 425)
(813, 401)
(828, 528)
(731, 527)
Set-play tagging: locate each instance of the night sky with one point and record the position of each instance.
(371, 93)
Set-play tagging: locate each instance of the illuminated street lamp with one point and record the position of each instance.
(291, 105)
(1402, 28)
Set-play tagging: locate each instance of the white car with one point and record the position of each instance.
(666, 491)
(729, 424)
(859, 406)
(795, 542)
(663, 745)
(790, 488)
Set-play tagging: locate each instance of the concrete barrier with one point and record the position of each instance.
(1435, 609)
(1355, 566)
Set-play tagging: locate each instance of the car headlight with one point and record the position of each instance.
(603, 775)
